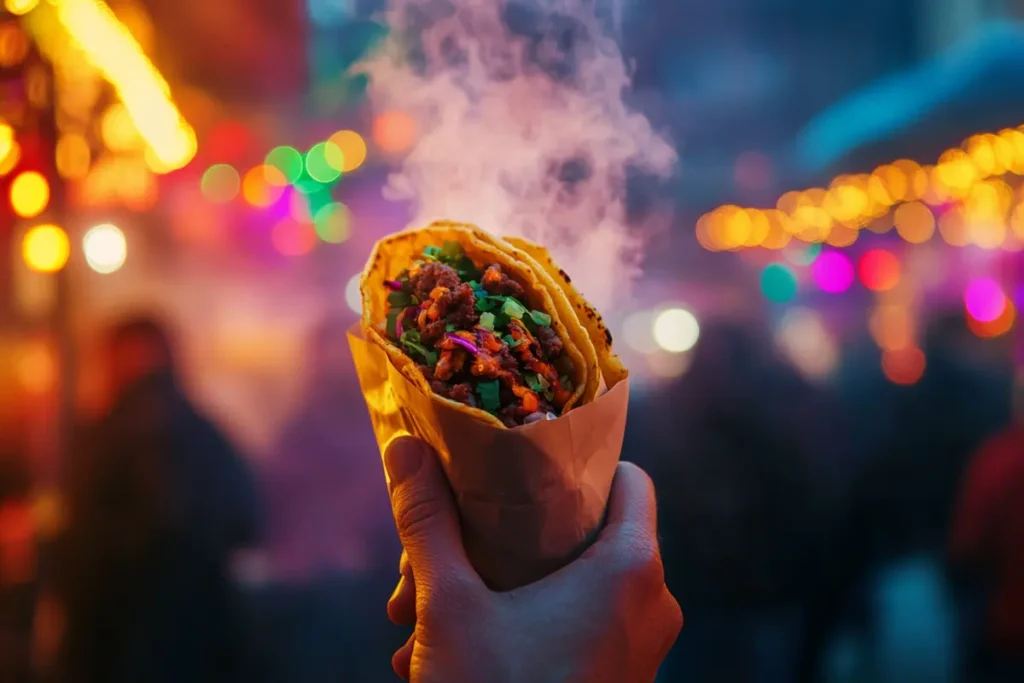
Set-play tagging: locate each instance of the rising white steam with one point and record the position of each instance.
(522, 127)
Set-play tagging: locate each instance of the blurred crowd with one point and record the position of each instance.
(858, 531)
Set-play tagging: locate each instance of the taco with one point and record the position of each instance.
(479, 324)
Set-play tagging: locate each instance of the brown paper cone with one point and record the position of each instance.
(530, 498)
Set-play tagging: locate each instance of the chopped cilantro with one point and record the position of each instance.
(449, 327)
(432, 253)
(412, 336)
(535, 382)
(487, 321)
(542, 319)
(549, 394)
(489, 395)
(400, 299)
(427, 354)
(485, 303)
(392, 319)
(476, 287)
(512, 343)
(513, 308)
(565, 382)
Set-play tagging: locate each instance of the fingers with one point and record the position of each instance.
(401, 661)
(402, 605)
(425, 514)
(632, 513)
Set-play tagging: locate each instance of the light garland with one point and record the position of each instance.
(975, 205)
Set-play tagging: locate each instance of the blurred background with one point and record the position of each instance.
(803, 219)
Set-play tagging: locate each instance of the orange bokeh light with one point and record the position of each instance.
(394, 131)
(879, 270)
(904, 366)
(999, 326)
(292, 238)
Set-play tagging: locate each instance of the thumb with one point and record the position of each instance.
(425, 513)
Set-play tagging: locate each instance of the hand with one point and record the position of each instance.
(606, 617)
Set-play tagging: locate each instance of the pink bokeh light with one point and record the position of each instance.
(985, 300)
(833, 272)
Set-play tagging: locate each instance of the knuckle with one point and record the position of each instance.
(413, 513)
(638, 557)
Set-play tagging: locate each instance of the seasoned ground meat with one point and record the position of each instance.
(550, 343)
(431, 275)
(463, 393)
(498, 283)
(483, 351)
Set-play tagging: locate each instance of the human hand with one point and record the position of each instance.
(605, 617)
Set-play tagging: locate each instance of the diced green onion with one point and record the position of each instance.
(432, 252)
(513, 309)
(542, 319)
(487, 321)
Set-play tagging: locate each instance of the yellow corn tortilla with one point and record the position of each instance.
(397, 252)
(611, 367)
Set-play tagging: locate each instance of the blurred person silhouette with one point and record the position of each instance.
(158, 500)
(327, 511)
(886, 583)
(987, 557)
(18, 572)
(737, 505)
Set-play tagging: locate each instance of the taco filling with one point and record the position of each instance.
(467, 327)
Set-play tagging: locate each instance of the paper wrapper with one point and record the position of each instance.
(530, 498)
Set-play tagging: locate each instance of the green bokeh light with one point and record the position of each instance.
(778, 283)
(318, 162)
(332, 223)
(287, 160)
(220, 183)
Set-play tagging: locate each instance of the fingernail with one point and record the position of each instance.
(403, 459)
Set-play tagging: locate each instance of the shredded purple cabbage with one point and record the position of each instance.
(399, 330)
(464, 343)
(393, 285)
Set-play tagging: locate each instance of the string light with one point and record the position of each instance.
(220, 183)
(110, 47)
(353, 297)
(19, 7)
(30, 194)
(964, 174)
(833, 272)
(352, 148)
(879, 270)
(778, 283)
(46, 248)
(105, 248)
(394, 131)
(985, 300)
(331, 223)
(904, 366)
(676, 330)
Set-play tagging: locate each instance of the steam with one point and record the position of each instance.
(522, 127)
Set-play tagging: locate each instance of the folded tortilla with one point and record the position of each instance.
(585, 345)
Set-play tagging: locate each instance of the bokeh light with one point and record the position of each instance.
(394, 131)
(323, 161)
(105, 248)
(6, 140)
(904, 366)
(995, 328)
(879, 270)
(18, 7)
(118, 131)
(287, 160)
(892, 327)
(353, 297)
(833, 272)
(220, 183)
(638, 332)
(292, 238)
(803, 338)
(332, 223)
(30, 194)
(73, 156)
(46, 248)
(298, 207)
(985, 300)
(262, 185)
(352, 148)
(676, 330)
(915, 222)
(778, 283)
